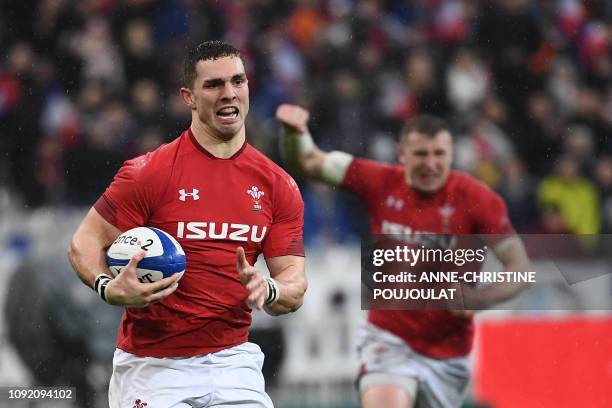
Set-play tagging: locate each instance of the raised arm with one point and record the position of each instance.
(88, 258)
(284, 293)
(300, 151)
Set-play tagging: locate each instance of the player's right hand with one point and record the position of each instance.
(127, 290)
(251, 279)
(293, 116)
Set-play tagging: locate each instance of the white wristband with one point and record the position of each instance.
(272, 291)
(100, 284)
(295, 145)
(334, 168)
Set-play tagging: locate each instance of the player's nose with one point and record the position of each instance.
(228, 91)
(430, 162)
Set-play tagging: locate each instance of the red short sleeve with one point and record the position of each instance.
(490, 214)
(126, 202)
(286, 231)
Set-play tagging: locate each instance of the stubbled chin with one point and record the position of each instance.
(427, 186)
(227, 131)
(428, 181)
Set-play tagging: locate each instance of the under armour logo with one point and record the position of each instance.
(139, 404)
(193, 194)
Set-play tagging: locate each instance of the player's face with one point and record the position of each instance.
(220, 95)
(427, 160)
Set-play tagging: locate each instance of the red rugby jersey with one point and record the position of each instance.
(211, 206)
(463, 206)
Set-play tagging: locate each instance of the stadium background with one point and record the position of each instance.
(526, 87)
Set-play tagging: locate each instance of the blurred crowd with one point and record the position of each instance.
(525, 85)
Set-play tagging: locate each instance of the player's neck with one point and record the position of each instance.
(422, 193)
(217, 145)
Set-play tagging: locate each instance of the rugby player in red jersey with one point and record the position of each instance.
(225, 202)
(414, 357)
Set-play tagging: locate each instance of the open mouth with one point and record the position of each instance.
(428, 178)
(230, 112)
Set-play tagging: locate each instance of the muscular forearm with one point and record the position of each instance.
(87, 247)
(300, 152)
(292, 286)
(290, 300)
(87, 258)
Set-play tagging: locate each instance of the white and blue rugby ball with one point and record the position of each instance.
(164, 255)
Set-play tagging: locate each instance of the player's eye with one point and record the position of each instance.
(212, 84)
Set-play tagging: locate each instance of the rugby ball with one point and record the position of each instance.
(163, 254)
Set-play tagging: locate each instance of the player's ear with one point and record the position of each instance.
(187, 97)
(401, 153)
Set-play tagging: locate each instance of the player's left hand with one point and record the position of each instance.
(251, 279)
(293, 116)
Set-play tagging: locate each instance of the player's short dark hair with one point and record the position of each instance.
(208, 50)
(428, 125)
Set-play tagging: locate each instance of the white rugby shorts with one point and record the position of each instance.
(230, 377)
(439, 383)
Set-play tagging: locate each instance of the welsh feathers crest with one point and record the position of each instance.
(256, 195)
